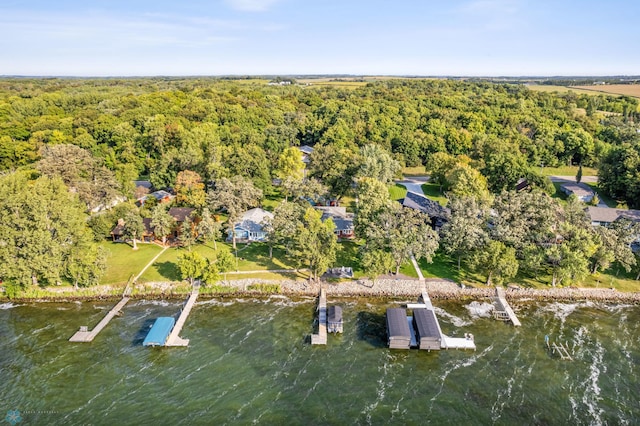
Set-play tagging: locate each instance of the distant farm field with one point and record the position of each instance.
(559, 89)
(632, 90)
(615, 89)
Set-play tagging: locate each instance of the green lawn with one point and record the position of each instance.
(270, 202)
(414, 171)
(397, 192)
(613, 278)
(255, 257)
(165, 267)
(123, 261)
(297, 276)
(347, 255)
(251, 257)
(610, 202)
(432, 191)
(568, 171)
(441, 267)
(408, 270)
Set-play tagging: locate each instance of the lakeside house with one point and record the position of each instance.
(306, 151)
(179, 214)
(340, 217)
(580, 190)
(250, 227)
(148, 236)
(439, 215)
(605, 216)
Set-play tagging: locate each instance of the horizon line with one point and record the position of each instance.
(294, 75)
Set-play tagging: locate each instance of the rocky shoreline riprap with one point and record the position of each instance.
(382, 288)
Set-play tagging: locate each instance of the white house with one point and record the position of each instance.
(250, 226)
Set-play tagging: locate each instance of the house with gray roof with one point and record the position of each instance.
(604, 216)
(340, 217)
(306, 151)
(582, 191)
(439, 215)
(250, 227)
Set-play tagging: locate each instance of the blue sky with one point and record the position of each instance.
(372, 37)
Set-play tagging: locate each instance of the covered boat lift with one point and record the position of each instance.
(426, 324)
(334, 319)
(398, 331)
(159, 332)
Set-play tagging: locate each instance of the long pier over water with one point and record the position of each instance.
(321, 337)
(84, 335)
(174, 338)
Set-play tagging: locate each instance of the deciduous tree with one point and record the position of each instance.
(234, 195)
(192, 265)
(315, 243)
(190, 189)
(162, 223)
(208, 229)
(467, 229)
(497, 261)
(43, 234)
(133, 227)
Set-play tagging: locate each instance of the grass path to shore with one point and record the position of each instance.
(123, 261)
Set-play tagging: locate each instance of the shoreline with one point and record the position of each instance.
(438, 289)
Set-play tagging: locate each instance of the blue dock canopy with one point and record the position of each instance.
(159, 332)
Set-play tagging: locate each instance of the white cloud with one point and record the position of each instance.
(251, 5)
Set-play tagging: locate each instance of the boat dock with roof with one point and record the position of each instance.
(159, 332)
(166, 330)
(329, 320)
(422, 330)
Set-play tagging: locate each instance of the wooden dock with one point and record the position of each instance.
(84, 335)
(503, 311)
(321, 337)
(174, 338)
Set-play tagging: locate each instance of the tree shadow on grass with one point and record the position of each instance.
(168, 270)
(372, 329)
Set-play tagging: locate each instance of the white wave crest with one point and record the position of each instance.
(215, 302)
(480, 309)
(8, 305)
(457, 321)
(563, 310)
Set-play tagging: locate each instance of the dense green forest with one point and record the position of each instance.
(98, 136)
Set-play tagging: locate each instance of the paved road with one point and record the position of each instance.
(585, 179)
(414, 183)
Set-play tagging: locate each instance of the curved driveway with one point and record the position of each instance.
(414, 184)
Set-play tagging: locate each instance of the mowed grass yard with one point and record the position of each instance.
(251, 257)
(397, 192)
(568, 171)
(123, 261)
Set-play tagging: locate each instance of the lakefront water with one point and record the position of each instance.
(250, 361)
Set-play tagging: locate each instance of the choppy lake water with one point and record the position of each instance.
(250, 361)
